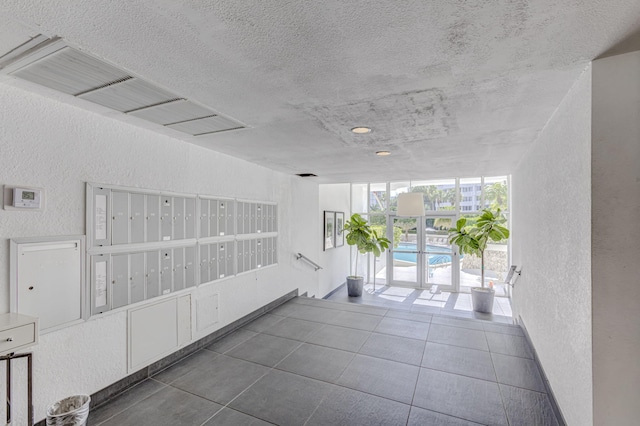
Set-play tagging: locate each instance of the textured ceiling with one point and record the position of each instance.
(455, 88)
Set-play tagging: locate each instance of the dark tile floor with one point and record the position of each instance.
(318, 362)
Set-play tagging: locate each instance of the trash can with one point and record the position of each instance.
(71, 411)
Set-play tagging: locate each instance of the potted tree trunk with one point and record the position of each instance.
(366, 240)
(473, 239)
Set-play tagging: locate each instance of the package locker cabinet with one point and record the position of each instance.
(153, 218)
(274, 244)
(190, 256)
(166, 271)
(259, 221)
(254, 213)
(204, 218)
(239, 218)
(120, 217)
(265, 218)
(178, 218)
(240, 257)
(152, 276)
(230, 217)
(230, 258)
(190, 218)
(213, 262)
(204, 263)
(223, 206)
(267, 251)
(247, 218)
(136, 218)
(275, 250)
(166, 218)
(100, 283)
(137, 274)
(178, 269)
(274, 219)
(120, 280)
(214, 225)
(246, 258)
(253, 255)
(259, 252)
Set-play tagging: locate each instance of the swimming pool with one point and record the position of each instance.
(434, 259)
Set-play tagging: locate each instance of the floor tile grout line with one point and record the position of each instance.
(448, 415)
(415, 387)
(504, 406)
(526, 389)
(270, 369)
(231, 348)
(461, 375)
(133, 404)
(335, 388)
(457, 346)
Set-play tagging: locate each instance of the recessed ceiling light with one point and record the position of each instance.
(383, 153)
(306, 175)
(361, 130)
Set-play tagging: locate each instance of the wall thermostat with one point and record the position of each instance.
(27, 198)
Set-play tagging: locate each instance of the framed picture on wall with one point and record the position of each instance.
(329, 230)
(339, 230)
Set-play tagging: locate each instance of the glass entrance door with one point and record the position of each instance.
(423, 258)
(406, 255)
(440, 260)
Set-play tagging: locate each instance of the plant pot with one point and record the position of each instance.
(354, 286)
(482, 299)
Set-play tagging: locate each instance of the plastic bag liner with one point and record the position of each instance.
(71, 411)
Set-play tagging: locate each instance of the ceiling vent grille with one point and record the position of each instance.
(53, 64)
(172, 112)
(205, 125)
(128, 95)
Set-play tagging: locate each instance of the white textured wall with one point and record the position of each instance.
(335, 262)
(616, 239)
(53, 145)
(551, 224)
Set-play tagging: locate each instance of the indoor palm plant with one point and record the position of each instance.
(473, 239)
(366, 240)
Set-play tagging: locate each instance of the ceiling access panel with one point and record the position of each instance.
(70, 71)
(172, 112)
(128, 95)
(206, 125)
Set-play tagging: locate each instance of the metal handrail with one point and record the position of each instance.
(302, 256)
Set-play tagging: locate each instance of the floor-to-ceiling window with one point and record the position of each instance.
(422, 256)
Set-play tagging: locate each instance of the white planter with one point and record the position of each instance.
(482, 299)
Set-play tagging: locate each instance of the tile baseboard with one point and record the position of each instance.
(547, 385)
